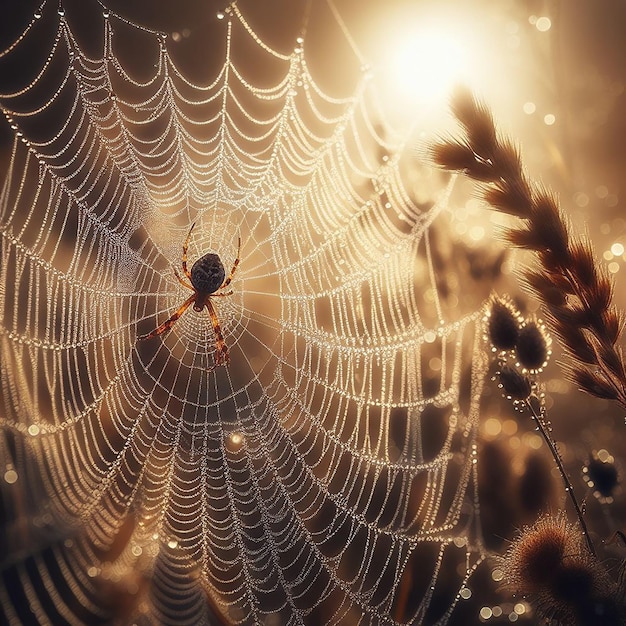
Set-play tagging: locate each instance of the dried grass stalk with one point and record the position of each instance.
(573, 287)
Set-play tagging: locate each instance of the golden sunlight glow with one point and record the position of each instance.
(426, 58)
(429, 63)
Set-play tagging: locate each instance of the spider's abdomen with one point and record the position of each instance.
(207, 273)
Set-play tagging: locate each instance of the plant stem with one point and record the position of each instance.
(559, 463)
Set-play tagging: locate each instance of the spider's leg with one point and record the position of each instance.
(232, 271)
(181, 281)
(165, 326)
(185, 246)
(222, 356)
(222, 295)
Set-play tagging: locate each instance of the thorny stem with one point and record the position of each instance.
(541, 427)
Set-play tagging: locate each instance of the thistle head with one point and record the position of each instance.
(602, 476)
(549, 563)
(536, 556)
(532, 347)
(515, 385)
(503, 324)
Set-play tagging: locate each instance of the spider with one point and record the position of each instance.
(207, 278)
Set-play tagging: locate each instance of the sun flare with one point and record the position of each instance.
(424, 62)
(427, 64)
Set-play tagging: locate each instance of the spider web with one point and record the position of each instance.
(327, 474)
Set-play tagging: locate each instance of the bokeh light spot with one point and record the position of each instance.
(543, 24)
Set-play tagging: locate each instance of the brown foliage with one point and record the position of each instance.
(573, 287)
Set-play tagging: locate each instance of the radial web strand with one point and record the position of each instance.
(327, 474)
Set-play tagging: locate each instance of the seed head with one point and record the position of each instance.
(581, 594)
(602, 476)
(573, 581)
(515, 385)
(503, 324)
(537, 555)
(533, 346)
(567, 585)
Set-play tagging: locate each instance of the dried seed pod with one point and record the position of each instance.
(602, 476)
(567, 585)
(533, 346)
(581, 594)
(514, 384)
(573, 581)
(503, 325)
(535, 557)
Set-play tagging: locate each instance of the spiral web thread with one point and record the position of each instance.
(327, 474)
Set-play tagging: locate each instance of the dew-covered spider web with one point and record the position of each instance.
(326, 475)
